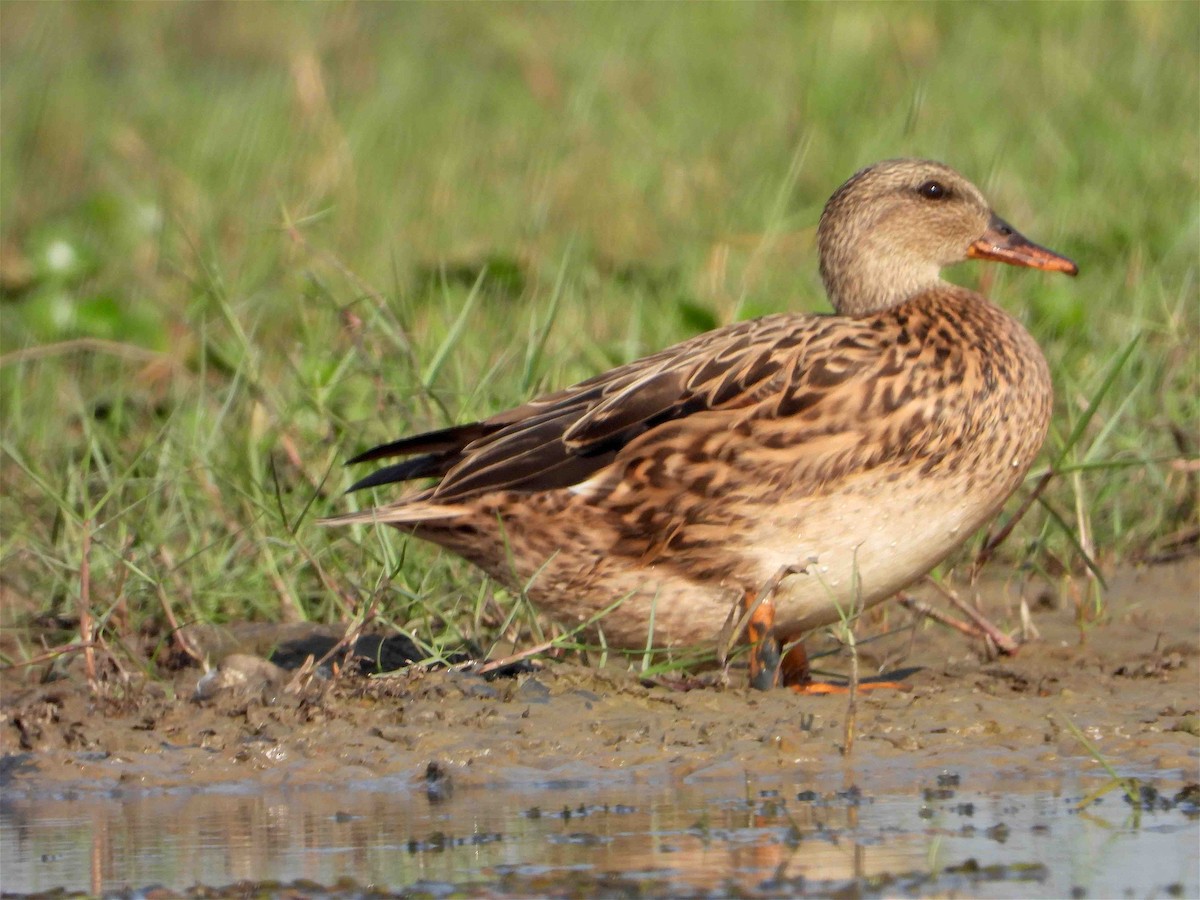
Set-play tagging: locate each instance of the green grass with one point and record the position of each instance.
(240, 242)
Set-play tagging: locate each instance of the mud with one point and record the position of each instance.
(1128, 684)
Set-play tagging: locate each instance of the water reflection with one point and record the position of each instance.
(785, 835)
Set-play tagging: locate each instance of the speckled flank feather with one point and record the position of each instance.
(869, 444)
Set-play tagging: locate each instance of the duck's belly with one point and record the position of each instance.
(851, 548)
(857, 549)
(865, 548)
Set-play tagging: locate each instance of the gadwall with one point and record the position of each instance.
(798, 466)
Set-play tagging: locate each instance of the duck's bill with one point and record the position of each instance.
(1003, 243)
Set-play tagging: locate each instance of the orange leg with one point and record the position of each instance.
(797, 677)
(769, 665)
(764, 646)
(823, 687)
(794, 669)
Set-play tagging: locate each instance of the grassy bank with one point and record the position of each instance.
(239, 243)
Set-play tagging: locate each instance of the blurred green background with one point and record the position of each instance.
(239, 242)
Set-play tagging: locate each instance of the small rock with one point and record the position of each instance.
(242, 673)
(438, 784)
(1189, 725)
(533, 691)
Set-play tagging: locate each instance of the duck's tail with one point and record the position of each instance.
(399, 514)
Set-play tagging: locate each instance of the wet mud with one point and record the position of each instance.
(447, 762)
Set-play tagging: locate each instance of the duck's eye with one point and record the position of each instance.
(933, 190)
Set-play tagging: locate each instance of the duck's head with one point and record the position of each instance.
(886, 233)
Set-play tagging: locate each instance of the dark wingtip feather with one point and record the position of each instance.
(453, 438)
(368, 455)
(434, 464)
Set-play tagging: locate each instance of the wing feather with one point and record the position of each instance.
(564, 438)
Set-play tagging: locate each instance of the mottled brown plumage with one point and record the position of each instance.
(865, 445)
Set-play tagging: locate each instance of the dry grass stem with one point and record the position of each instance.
(351, 636)
(1003, 642)
(178, 635)
(921, 608)
(86, 626)
(86, 344)
(852, 700)
(50, 655)
(495, 664)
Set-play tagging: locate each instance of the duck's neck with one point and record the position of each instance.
(864, 283)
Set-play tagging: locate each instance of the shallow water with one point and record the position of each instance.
(970, 829)
(574, 780)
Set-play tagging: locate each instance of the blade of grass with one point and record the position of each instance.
(455, 334)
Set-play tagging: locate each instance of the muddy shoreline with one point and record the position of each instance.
(1129, 684)
(569, 780)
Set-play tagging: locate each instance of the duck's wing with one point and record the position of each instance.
(564, 438)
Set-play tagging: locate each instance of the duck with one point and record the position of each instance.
(792, 469)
